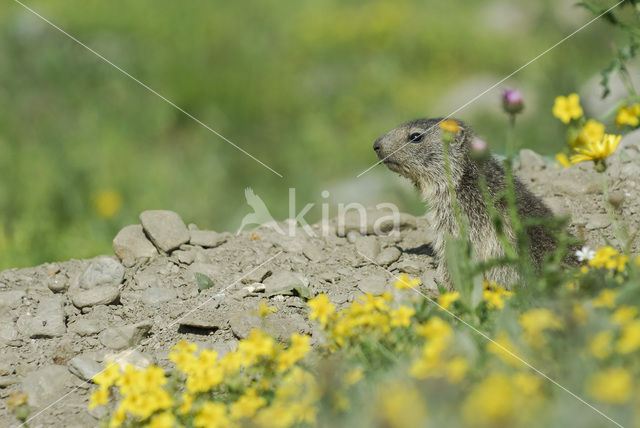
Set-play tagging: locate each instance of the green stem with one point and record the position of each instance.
(609, 208)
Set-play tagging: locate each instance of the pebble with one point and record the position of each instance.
(206, 238)
(11, 299)
(428, 281)
(411, 267)
(48, 320)
(598, 221)
(530, 160)
(124, 336)
(313, 252)
(616, 198)
(58, 282)
(165, 228)
(374, 284)
(368, 247)
(287, 283)
(205, 316)
(157, 296)
(85, 327)
(85, 366)
(131, 244)
(102, 270)
(46, 385)
(103, 295)
(372, 221)
(388, 256)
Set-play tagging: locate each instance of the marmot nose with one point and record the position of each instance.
(377, 146)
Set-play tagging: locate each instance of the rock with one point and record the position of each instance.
(46, 385)
(85, 366)
(131, 244)
(388, 256)
(428, 281)
(125, 336)
(58, 283)
(531, 161)
(598, 221)
(242, 323)
(313, 252)
(48, 320)
(616, 198)
(102, 270)
(372, 221)
(11, 299)
(185, 257)
(8, 331)
(157, 296)
(129, 356)
(374, 284)
(368, 247)
(85, 327)
(204, 316)
(255, 274)
(103, 295)
(165, 228)
(352, 235)
(411, 267)
(287, 283)
(282, 326)
(206, 238)
(6, 381)
(417, 238)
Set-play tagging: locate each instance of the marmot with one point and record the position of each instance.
(415, 150)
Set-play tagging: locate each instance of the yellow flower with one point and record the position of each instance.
(108, 376)
(591, 132)
(298, 349)
(456, 368)
(505, 349)
(491, 402)
(495, 295)
(446, 299)
(264, 310)
(353, 376)
(563, 160)
(257, 345)
(247, 405)
(607, 257)
(630, 338)
(212, 415)
(450, 125)
(107, 203)
(527, 384)
(405, 282)
(534, 322)
(597, 150)
(624, 314)
(321, 308)
(401, 317)
(628, 115)
(579, 314)
(99, 397)
(435, 327)
(606, 299)
(401, 405)
(600, 345)
(567, 108)
(162, 420)
(187, 401)
(613, 385)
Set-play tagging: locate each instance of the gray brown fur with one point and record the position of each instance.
(423, 163)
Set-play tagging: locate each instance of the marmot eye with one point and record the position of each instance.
(416, 137)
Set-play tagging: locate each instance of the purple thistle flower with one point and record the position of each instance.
(512, 101)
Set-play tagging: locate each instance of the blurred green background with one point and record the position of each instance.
(304, 86)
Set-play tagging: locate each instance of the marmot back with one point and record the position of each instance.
(415, 150)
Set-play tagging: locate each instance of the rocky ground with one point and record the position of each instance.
(167, 281)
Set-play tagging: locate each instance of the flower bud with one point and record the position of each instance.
(512, 101)
(479, 149)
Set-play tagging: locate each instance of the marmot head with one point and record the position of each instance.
(416, 151)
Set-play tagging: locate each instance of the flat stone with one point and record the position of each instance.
(85, 327)
(48, 320)
(313, 252)
(241, 323)
(206, 238)
(11, 299)
(428, 281)
(46, 385)
(185, 257)
(287, 283)
(124, 336)
(102, 271)
(158, 296)
(206, 316)
(282, 326)
(368, 247)
(388, 256)
(8, 331)
(129, 356)
(103, 295)
(411, 267)
(530, 160)
(58, 283)
(85, 366)
(598, 221)
(131, 244)
(165, 228)
(372, 221)
(6, 381)
(373, 284)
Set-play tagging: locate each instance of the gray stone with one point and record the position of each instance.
(11, 299)
(85, 327)
(282, 326)
(388, 256)
(368, 247)
(124, 336)
(531, 161)
(352, 235)
(85, 366)
(6, 381)
(131, 244)
(373, 284)
(8, 331)
(185, 257)
(158, 296)
(242, 323)
(598, 221)
(417, 238)
(428, 281)
(255, 274)
(205, 316)
(372, 221)
(48, 320)
(46, 385)
(206, 238)
(287, 283)
(616, 198)
(165, 228)
(102, 295)
(313, 252)
(58, 282)
(101, 271)
(411, 267)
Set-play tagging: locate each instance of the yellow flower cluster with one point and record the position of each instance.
(567, 108)
(432, 362)
(628, 115)
(495, 295)
(534, 322)
(608, 258)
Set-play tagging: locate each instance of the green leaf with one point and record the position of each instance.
(455, 259)
(477, 291)
(203, 281)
